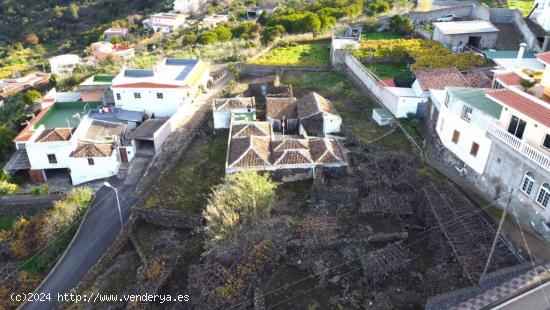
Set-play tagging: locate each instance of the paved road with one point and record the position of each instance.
(97, 232)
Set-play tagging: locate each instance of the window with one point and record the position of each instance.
(91, 161)
(474, 149)
(441, 124)
(118, 96)
(527, 183)
(52, 159)
(546, 142)
(137, 95)
(456, 136)
(160, 96)
(447, 98)
(517, 127)
(544, 195)
(466, 113)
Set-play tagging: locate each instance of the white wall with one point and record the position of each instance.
(38, 153)
(82, 171)
(149, 103)
(449, 121)
(331, 124)
(399, 106)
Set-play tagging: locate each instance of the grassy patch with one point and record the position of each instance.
(524, 6)
(311, 54)
(354, 108)
(494, 212)
(390, 70)
(383, 35)
(412, 129)
(7, 222)
(188, 184)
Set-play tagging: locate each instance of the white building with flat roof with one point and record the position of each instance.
(165, 22)
(64, 63)
(161, 90)
(480, 34)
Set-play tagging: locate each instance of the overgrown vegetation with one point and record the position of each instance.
(296, 54)
(426, 53)
(233, 205)
(36, 243)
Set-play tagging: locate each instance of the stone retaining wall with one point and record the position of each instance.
(169, 218)
(258, 70)
(26, 205)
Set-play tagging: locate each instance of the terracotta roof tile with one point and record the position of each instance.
(55, 135)
(326, 151)
(291, 157)
(523, 104)
(234, 103)
(277, 108)
(509, 78)
(262, 129)
(478, 79)
(440, 78)
(314, 103)
(92, 150)
(544, 57)
(387, 82)
(290, 144)
(248, 152)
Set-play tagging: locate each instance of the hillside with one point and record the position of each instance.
(65, 23)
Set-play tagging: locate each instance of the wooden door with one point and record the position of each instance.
(123, 154)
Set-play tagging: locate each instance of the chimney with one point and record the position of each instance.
(522, 47)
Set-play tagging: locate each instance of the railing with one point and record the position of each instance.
(527, 150)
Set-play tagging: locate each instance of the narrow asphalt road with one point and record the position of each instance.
(97, 232)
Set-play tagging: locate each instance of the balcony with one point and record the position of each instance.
(527, 150)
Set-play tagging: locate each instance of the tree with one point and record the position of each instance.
(270, 33)
(401, 24)
(223, 33)
(188, 39)
(31, 39)
(73, 11)
(31, 96)
(262, 19)
(526, 84)
(309, 23)
(208, 37)
(242, 198)
(6, 138)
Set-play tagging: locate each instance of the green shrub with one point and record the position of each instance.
(7, 188)
(239, 200)
(35, 191)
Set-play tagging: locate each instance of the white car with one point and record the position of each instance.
(446, 18)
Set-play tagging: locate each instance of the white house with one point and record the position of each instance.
(161, 90)
(64, 63)
(188, 6)
(541, 13)
(115, 32)
(223, 108)
(165, 22)
(317, 114)
(462, 125)
(213, 20)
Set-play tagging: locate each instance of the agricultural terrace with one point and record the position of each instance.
(296, 54)
(427, 54)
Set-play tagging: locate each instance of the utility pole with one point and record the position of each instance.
(497, 234)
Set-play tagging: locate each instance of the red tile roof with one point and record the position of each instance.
(387, 82)
(92, 150)
(536, 111)
(509, 78)
(27, 132)
(544, 57)
(440, 78)
(56, 135)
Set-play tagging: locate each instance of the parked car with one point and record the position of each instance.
(446, 18)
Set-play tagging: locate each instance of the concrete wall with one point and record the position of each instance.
(149, 103)
(506, 169)
(398, 106)
(104, 167)
(450, 120)
(488, 40)
(257, 70)
(429, 16)
(331, 124)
